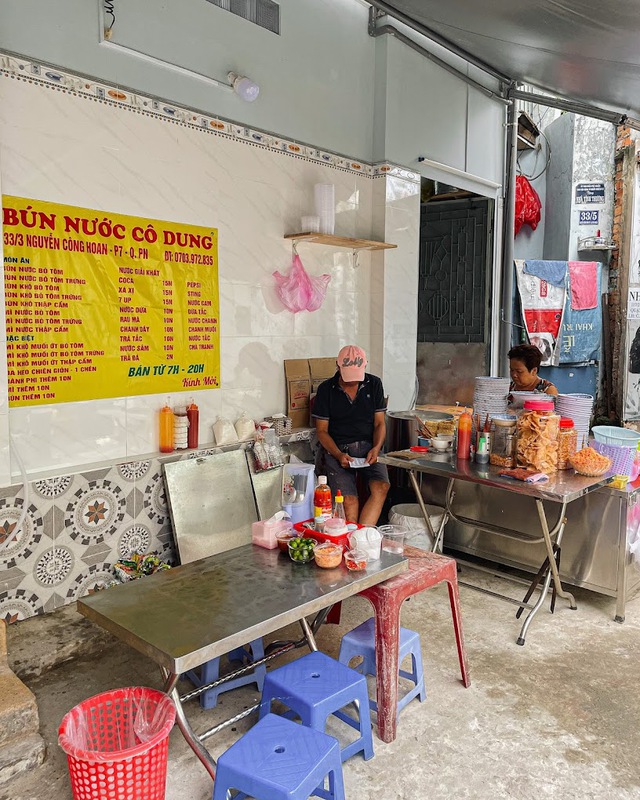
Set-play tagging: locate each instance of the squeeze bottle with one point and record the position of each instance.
(166, 428)
(464, 434)
(322, 496)
(193, 415)
(338, 508)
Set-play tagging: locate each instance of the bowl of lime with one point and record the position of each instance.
(301, 549)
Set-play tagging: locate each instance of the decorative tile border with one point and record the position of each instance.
(68, 83)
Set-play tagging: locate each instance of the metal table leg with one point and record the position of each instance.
(436, 536)
(552, 573)
(193, 740)
(308, 634)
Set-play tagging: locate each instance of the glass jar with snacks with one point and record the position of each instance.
(537, 436)
(567, 442)
(503, 441)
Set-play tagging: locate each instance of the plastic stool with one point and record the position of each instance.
(315, 687)
(361, 642)
(210, 672)
(280, 760)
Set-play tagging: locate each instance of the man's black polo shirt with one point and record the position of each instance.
(349, 421)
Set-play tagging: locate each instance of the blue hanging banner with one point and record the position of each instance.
(581, 329)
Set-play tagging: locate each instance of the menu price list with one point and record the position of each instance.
(38, 305)
(179, 300)
(109, 320)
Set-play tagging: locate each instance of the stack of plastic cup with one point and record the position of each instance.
(325, 203)
(310, 224)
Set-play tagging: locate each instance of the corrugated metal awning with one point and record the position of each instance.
(580, 49)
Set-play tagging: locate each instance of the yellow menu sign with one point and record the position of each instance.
(106, 305)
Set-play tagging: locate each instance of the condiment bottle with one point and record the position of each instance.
(322, 496)
(465, 424)
(338, 508)
(166, 428)
(193, 415)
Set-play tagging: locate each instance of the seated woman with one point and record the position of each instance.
(524, 361)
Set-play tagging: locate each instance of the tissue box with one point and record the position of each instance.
(263, 532)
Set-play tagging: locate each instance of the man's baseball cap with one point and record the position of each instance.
(352, 361)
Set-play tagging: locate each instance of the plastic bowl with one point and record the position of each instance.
(327, 555)
(441, 444)
(356, 560)
(301, 549)
(609, 434)
(283, 538)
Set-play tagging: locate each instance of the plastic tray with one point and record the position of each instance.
(342, 540)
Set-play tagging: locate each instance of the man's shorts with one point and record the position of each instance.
(344, 478)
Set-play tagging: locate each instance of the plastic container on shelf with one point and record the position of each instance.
(567, 442)
(537, 436)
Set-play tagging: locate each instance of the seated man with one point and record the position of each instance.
(349, 414)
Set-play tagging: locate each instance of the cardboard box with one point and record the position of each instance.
(298, 380)
(320, 369)
(303, 376)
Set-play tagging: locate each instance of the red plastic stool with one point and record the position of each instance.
(425, 570)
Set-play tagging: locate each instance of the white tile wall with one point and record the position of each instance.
(65, 149)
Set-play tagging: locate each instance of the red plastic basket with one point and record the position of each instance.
(306, 528)
(117, 744)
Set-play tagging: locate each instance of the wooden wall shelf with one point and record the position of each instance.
(339, 241)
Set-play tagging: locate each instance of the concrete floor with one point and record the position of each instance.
(559, 717)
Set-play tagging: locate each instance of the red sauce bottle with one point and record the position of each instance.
(465, 424)
(193, 415)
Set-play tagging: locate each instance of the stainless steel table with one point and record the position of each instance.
(186, 616)
(561, 489)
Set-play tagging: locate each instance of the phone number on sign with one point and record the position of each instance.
(187, 258)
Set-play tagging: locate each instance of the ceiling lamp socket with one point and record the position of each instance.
(244, 87)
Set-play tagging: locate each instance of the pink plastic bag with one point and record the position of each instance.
(298, 290)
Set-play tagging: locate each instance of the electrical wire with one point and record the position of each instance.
(532, 178)
(109, 11)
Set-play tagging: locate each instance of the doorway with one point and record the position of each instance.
(454, 292)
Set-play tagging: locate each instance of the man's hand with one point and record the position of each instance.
(372, 455)
(344, 460)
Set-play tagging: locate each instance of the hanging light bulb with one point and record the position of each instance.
(244, 87)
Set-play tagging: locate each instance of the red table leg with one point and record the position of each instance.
(425, 570)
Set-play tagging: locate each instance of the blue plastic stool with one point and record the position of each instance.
(210, 672)
(360, 642)
(280, 760)
(314, 687)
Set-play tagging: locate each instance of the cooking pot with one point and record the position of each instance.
(402, 427)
